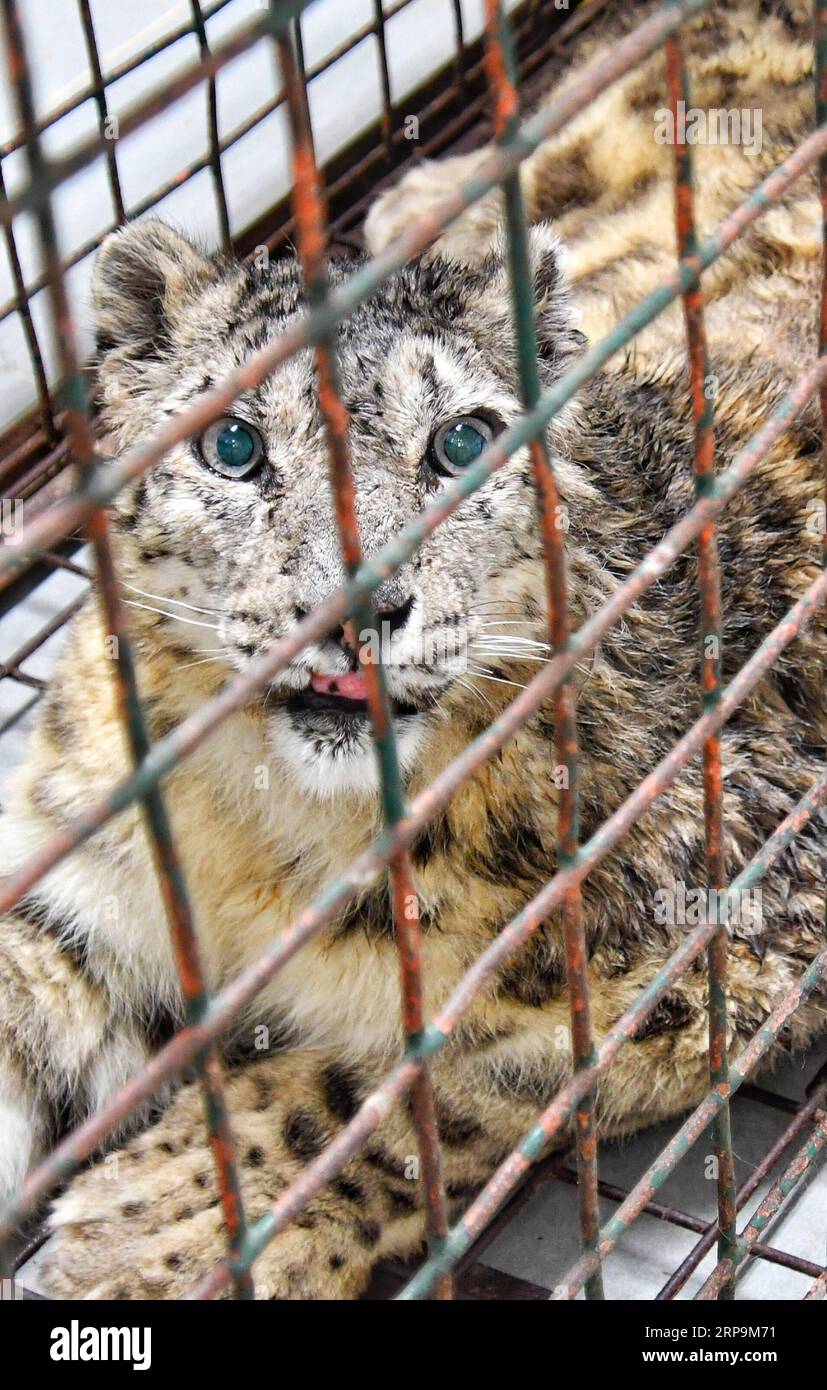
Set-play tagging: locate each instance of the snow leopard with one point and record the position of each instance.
(226, 543)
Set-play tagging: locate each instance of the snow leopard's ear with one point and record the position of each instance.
(558, 339)
(146, 276)
(556, 318)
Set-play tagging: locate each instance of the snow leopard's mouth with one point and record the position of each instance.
(342, 696)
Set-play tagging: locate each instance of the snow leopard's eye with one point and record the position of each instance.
(459, 443)
(231, 447)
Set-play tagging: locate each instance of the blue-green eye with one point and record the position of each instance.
(231, 447)
(459, 443)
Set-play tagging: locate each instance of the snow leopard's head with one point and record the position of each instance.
(235, 531)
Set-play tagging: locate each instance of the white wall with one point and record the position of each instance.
(343, 101)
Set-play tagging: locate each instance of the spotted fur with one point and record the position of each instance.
(269, 811)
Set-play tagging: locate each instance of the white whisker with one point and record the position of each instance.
(186, 664)
(507, 640)
(507, 622)
(178, 617)
(500, 654)
(166, 598)
(500, 614)
(472, 690)
(481, 675)
(511, 636)
(497, 603)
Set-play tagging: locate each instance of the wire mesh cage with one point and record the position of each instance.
(56, 487)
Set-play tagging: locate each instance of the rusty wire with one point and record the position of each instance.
(709, 578)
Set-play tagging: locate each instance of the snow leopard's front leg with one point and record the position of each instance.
(65, 1048)
(471, 236)
(147, 1224)
(467, 239)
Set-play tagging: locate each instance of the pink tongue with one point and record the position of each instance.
(351, 686)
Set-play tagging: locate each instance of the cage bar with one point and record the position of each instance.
(501, 74)
(64, 167)
(630, 52)
(685, 1222)
(224, 1006)
(310, 223)
(801, 1165)
(551, 1122)
(678, 1278)
(130, 711)
(820, 36)
(709, 576)
(176, 1054)
(99, 89)
(214, 157)
(378, 28)
(12, 666)
(87, 93)
(528, 24)
(20, 303)
(174, 747)
(67, 513)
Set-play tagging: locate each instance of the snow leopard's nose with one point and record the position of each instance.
(388, 621)
(392, 620)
